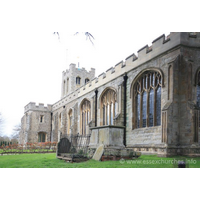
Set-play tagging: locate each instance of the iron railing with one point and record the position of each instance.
(73, 145)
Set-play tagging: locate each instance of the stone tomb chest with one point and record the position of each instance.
(110, 136)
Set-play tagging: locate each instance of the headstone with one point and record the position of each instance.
(64, 146)
(98, 153)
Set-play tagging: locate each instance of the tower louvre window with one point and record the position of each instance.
(87, 80)
(41, 118)
(78, 80)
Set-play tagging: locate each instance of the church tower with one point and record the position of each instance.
(74, 78)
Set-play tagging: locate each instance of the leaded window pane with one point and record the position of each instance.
(198, 95)
(111, 113)
(151, 107)
(108, 98)
(108, 110)
(144, 109)
(39, 138)
(82, 122)
(146, 86)
(86, 115)
(43, 137)
(153, 80)
(158, 106)
(138, 110)
(104, 113)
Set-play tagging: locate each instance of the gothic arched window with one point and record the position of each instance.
(85, 116)
(108, 104)
(147, 100)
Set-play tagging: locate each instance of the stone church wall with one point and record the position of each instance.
(176, 57)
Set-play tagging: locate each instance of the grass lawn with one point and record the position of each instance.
(50, 161)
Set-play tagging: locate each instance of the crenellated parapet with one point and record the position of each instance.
(69, 82)
(159, 46)
(40, 107)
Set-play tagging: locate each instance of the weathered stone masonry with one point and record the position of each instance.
(175, 58)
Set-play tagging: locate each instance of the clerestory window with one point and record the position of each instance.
(147, 100)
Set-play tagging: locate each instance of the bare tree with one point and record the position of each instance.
(15, 133)
(1, 124)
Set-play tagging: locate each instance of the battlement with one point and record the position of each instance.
(74, 69)
(159, 46)
(69, 82)
(32, 106)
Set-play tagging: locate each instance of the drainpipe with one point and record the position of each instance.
(51, 127)
(96, 93)
(125, 81)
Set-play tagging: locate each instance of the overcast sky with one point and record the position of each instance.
(32, 58)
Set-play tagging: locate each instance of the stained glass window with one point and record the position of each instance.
(151, 107)
(158, 106)
(146, 86)
(138, 110)
(198, 95)
(144, 109)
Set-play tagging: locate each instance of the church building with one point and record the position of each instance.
(149, 103)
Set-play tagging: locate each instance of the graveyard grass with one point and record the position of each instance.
(50, 161)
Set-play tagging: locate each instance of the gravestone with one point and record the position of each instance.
(98, 153)
(64, 146)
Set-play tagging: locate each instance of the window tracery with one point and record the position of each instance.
(109, 102)
(147, 100)
(85, 115)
